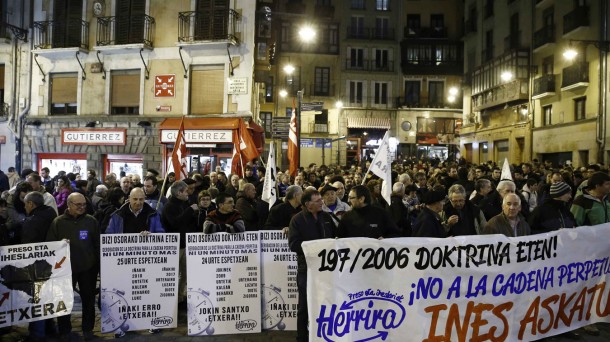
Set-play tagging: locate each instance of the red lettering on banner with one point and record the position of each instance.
(564, 309)
(462, 322)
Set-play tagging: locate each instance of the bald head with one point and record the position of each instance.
(77, 204)
(136, 199)
(511, 205)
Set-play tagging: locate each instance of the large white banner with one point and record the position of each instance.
(139, 281)
(35, 282)
(223, 280)
(279, 282)
(458, 289)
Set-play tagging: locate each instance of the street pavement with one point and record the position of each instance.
(18, 333)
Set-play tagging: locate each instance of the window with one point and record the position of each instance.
(130, 21)
(382, 29)
(355, 92)
(547, 113)
(489, 8)
(381, 59)
(436, 93)
(357, 27)
(488, 53)
(267, 119)
(413, 24)
(381, 93)
(382, 5)
(293, 81)
(125, 93)
(208, 80)
(322, 82)
(547, 65)
(63, 93)
(67, 21)
(269, 90)
(212, 19)
(412, 90)
(357, 4)
(356, 60)
(321, 122)
(437, 21)
(579, 108)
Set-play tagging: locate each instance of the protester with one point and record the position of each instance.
(398, 211)
(365, 219)
(225, 219)
(554, 213)
(593, 206)
(428, 222)
(509, 222)
(153, 195)
(246, 206)
(62, 191)
(280, 215)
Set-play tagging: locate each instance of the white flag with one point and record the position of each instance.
(506, 175)
(382, 167)
(269, 187)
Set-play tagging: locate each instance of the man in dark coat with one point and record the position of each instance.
(492, 204)
(428, 222)
(280, 215)
(398, 211)
(310, 224)
(180, 217)
(35, 229)
(246, 205)
(460, 216)
(554, 213)
(365, 220)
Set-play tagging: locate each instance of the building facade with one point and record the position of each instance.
(105, 78)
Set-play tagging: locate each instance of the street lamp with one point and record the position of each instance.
(307, 34)
(507, 76)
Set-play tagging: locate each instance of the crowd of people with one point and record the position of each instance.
(429, 198)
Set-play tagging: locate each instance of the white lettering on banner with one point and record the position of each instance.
(139, 281)
(458, 289)
(35, 282)
(229, 301)
(198, 136)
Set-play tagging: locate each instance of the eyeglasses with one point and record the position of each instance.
(79, 204)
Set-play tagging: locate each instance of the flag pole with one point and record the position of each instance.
(161, 193)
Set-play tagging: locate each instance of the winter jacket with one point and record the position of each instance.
(153, 220)
(61, 198)
(499, 225)
(179, 217)
(84, 236)
(217, 222)
(36, 225)
(471, 219)
(368, 221)
(551, 215)
(305, 227)
(589, 210)
(153, 199)
(247, 209)
(428, 224)
(400, 215)
(280, 216)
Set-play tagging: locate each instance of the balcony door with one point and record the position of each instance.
(66, 26)
(211, 19)
(130, 21)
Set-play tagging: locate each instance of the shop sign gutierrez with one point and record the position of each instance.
(198, 135)
(101, 136)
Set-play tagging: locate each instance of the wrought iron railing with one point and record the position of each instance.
(577, 73)
(575, 19)
(543, 36)
(208, 26)
(55, 34)
(544, 84)
(119, 30)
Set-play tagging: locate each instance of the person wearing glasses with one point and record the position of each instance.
(365, 219)
(459, 216)
(225, 219)
(492, 204)
(81, 232)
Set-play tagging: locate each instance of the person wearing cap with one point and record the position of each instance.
(593, 206)
(365, 219)
(554, 213)
(428, 222)
(509, 222)
(332, 204)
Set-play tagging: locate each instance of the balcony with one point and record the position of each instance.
(432, 57)
(369, 65)
(219, 26)
(319, 127)
(576, 19)
(383, 34)
(543, 38)
(487, 54)
(18, 32)
(514, 91)
(439, 32)
(575, 76)
(295, 7)
(72, 34)
(321, 91)
(424, 102)
(369, 33)
(544, 86)
(136, 30)
(369, 102)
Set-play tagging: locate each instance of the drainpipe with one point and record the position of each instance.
(531, 104)
(20, 120)
(603, 79)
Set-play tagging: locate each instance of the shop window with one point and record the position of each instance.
(208, 80)
(63, 93)
(125, 94)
